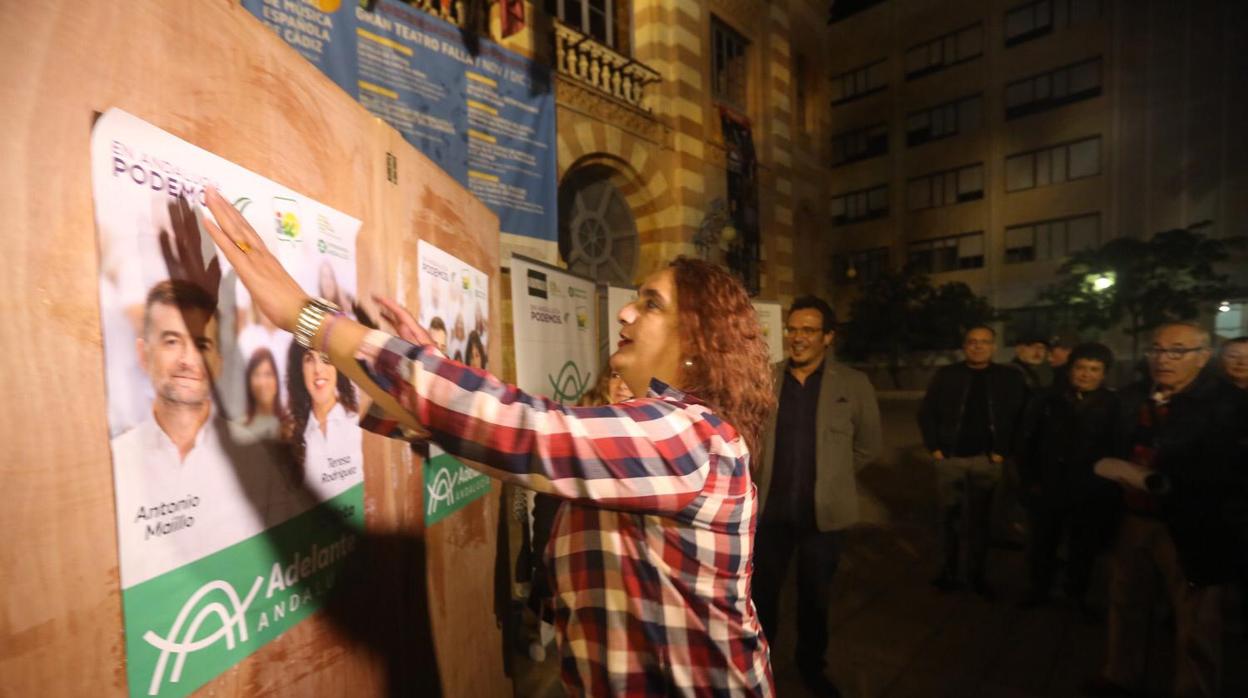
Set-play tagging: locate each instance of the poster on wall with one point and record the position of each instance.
(484, 114)
(556, 340)
(455, 307)
(237, 466)
(771, 317)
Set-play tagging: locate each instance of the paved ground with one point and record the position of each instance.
(894, 636)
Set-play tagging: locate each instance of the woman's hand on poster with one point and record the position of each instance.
(402, 321)
(183, 249)
(271, 287)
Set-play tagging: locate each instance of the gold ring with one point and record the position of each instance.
(243, 246)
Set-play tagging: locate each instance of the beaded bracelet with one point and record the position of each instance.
(328, 327)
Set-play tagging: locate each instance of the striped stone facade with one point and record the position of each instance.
(666, 156)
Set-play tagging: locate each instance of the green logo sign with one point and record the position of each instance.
(288, 227)
(450, 486)
(569, 385)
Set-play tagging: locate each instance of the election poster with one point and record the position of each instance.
(484, 114)
(771, 317)
(455, 308)
(556, 337)
(237, 466)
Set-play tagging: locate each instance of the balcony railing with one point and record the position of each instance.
(595, 65)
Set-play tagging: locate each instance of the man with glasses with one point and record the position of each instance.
(1186, 521)
(968, 418)
(827, 428)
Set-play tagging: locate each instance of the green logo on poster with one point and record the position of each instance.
(569, 384)
(183, 640)
(450, 486)
(321, 246)
(288, 227)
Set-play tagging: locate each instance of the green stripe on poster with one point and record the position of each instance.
(188, 625)
(449, 486)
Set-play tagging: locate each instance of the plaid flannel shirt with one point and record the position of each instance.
(652, 554)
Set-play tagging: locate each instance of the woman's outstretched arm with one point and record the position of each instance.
(653, 454)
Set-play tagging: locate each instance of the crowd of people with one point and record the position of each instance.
(1154, 475)
(1151, 477)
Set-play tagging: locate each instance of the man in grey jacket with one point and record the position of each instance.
(827, 427)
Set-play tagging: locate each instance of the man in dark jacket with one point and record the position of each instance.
(1060, 346)
(1031, 354)
(1066, 429)
(968, 417)
(1186, 519)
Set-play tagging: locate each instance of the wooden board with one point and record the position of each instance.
(421, 618)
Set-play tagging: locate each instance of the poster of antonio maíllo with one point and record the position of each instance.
(237, 465)
(556, 339)
(455, 307)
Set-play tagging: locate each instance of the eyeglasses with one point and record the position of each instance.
(1172, 353)
(803, 331)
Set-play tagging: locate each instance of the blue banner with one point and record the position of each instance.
(484, 114)
(323, 32)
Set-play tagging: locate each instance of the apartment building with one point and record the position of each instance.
(983, 141)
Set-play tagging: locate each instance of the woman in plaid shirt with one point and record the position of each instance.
(652, 549)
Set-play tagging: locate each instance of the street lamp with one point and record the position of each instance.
(1102, 282)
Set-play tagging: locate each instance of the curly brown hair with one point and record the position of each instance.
(720, 334)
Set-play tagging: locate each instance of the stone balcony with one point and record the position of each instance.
(596, 66)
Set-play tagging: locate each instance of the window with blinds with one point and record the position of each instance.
(964, 251)
(1053, 89)
(934, 55)
(946, 187)
(1051, 239)
(1053, 164)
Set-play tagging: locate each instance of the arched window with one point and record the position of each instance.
(597, 233)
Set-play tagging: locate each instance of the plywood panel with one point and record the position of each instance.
(420, 619)
(460, 550)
